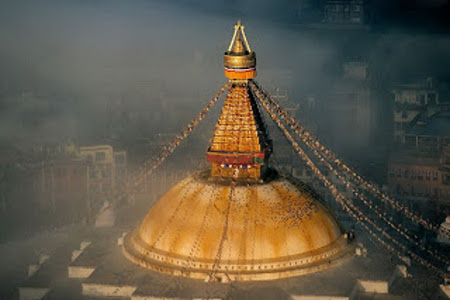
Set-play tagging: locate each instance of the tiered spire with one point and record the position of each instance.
(240, 147)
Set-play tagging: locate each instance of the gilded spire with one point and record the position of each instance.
(239, 47)
(239, 40)
(240, 147)
(239, 60)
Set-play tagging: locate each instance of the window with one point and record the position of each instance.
(432, 98)
(435, 175)
(422, 99)
(94, 188)
(119, 158)
(93, 174)
(106, 187)
(427, 175)
(413, 174)
(399, 172)
(419, 175)
(435, 192)
(99, 156)
(106, 173)
(445, 179)
(410, 141)
(406, 174)
(79, 171)
(119, 172)
(404, 114)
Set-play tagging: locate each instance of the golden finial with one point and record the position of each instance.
(238, 45)
(239, 60)
(238, 32)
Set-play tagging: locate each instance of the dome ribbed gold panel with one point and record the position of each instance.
(213, 231)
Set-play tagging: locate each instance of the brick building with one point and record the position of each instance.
(420, 170)
(420, 177)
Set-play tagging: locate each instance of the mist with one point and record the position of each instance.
(71, 57)
(113, 72)
(133, 74)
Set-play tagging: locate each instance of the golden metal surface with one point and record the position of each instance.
(239, 131)
(239, 60)
(239, 47)
(236, 130)
(273, 230)
(244, 61)
(238, 31)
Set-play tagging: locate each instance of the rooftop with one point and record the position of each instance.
(437, 125)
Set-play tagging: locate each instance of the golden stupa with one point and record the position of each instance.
(240, 220)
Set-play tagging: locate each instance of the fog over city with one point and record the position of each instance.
(75, 55)
(126, 77)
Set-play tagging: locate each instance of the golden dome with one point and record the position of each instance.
(216, 231)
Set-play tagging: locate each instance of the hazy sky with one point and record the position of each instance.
(78, 54)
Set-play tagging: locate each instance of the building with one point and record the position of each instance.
(73, 182)
(428, 134)
(349, 113)
(419, 170)
(106, 170)
(410, 102)
(46, 185)
(418, 177)
(120, 165)
(345, 12)
(62, 187)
